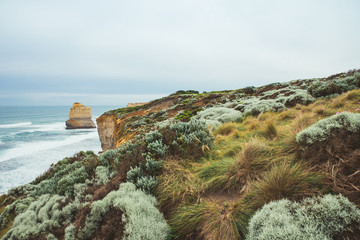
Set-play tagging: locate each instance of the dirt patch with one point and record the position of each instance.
(112, 226)
(353, 234)
(227, 196)
(114, 184)
(80, 217)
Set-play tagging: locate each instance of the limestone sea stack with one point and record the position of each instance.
(80, 117)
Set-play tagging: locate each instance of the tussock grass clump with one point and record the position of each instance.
(227, 129)
(210, 220)
(235, 172)
(324, 217)
(289, 132)
(270, 130)
(285, 180)
(177, 185)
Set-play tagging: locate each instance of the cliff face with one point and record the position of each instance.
(80, 117)
(107, 131)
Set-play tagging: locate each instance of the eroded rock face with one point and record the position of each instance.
(107, 131)
(80, 117)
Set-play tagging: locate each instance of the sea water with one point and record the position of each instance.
(33, 138)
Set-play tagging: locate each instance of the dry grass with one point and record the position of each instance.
(237, 172)
(227, 129)
(285, 180)
(252, 171)
(211, 221)
(177, 185)
(270, 130)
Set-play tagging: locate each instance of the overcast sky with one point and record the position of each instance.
(113, 52)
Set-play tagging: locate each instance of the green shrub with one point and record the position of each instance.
(102, 175)
(313, 218)
(107, 157)
(321, 130)
(65, 186)
(63, 180)
(147, 184)
(157, 149)
(153, 166)
(134, 174)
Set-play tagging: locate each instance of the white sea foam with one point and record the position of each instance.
(58, 126)
(15, 125)
(24, 149)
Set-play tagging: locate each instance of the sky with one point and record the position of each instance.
(113, 52)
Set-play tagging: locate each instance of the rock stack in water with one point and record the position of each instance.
(79, 117)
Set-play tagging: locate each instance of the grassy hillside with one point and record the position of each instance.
(274, 162)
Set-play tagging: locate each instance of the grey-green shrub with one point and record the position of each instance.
(321, 130)
(313, 218)
(191, 132)
(215, 116)
(102, 175)
(65, 186)
(19, 206)
(42, 216)
(141, 217)
(336, 86)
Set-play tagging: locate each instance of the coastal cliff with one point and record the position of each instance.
(118, 126)
(204, 165)
(79, 117)
(107, 131)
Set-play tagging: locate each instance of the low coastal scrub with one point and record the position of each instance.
(325, 217)
(140, 219)
(323, 129)
(253, 163)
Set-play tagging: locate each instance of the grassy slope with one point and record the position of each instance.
(250, 163)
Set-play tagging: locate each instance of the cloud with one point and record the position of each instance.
(158, 47)
(67, 99)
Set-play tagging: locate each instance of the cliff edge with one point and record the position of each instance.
(79, 117)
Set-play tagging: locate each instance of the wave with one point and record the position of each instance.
(15, 125)
(58, 126)
(24, 149)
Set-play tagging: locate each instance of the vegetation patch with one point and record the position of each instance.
(324, 217)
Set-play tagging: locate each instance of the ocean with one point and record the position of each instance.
(32, 138)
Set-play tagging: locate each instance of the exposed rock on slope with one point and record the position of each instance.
(79, 117)
(135, 104)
